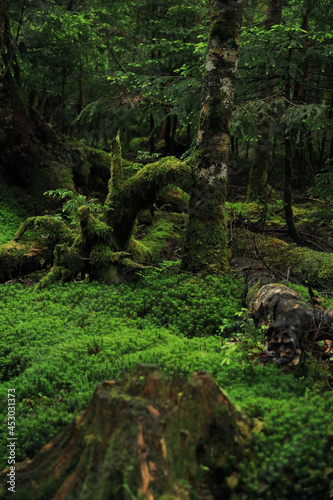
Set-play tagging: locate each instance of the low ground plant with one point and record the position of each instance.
(12, 213)
(57, 343)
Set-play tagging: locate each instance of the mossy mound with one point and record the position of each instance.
(163, 238)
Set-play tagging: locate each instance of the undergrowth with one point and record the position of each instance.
(12, 214)
(58, 343)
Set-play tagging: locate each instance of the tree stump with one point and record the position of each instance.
(143, 436)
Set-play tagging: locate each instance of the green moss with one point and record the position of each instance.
(18, 259)
(53, 227)
(214, 122)
(138, 143)
(206, 246)
(116, 181)
(57, 274)
(162, 237)
(92, 229)
(139, 251)
(305, 264)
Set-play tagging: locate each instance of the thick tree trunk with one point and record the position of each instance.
(205, 247)
(294, 324)
(142, 436)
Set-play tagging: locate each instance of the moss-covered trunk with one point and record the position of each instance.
(205, 248)
(143, 436)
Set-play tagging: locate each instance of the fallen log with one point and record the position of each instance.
(294, 324)
(157, 438)
(305, 264)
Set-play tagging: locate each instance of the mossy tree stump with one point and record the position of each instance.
(144, 436)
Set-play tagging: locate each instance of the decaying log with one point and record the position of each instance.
(305, 264)
(155, 437)
(294, 323)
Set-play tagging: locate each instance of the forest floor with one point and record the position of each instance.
(56, 344)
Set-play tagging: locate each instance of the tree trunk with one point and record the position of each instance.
(294, 324)
(127, 200)
(288, 209)
(258, 172)
(142, 436)
(205, 248)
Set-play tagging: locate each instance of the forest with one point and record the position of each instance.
(166, 249)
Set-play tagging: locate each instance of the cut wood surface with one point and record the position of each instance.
(155, 437)
(293, 323)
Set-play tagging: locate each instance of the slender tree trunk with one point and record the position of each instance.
(205, 248)
(151, 135)
(258, 172)
(288, 209)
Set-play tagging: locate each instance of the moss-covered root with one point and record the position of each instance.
(156, 437)
(305, 264)
(50, 226)
(140, 191)
(17, 259)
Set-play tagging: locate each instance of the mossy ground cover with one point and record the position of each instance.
(12, 214)
(58, 343)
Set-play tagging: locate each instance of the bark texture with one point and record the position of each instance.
(205, 247)
(294, 324)
(143, 436)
